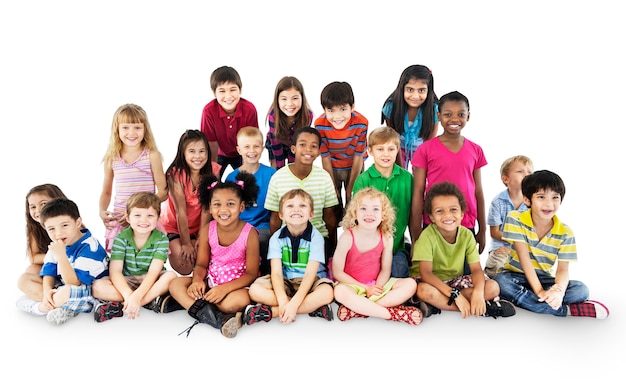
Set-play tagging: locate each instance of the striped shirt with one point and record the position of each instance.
(296, 252)
(131, 178)
(276, 150)
(343, 144)
(558, 245)
(318, 184)
(137, 262)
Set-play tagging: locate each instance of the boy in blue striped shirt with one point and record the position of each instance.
(535, 275)
(137, 273)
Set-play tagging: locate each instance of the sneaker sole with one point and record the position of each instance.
(230, 328)
(108, 311)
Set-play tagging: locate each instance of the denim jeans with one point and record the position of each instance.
(400, 264)
(515, 288)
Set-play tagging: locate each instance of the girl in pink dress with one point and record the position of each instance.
(134, 162)
(362, 263)
(228, 256)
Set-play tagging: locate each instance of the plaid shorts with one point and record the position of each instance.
(461, 281)
(80, 299)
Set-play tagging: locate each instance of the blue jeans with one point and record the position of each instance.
(515, 288)
(400, 264)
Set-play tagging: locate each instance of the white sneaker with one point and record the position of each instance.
(59, 316)
(25, 303)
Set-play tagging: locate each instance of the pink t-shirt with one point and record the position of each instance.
(443, 165)
(227, 262)
(364, 266)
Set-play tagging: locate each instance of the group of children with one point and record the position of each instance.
(263, 242)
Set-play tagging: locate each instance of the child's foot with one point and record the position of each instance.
(344, 313)
(500, 308)
(25, 303)
(588, 308)
(167, 303)
(255, 313)
(107, 311)
(59, 316)
(410, 315)
(325, 312)
(428, 309)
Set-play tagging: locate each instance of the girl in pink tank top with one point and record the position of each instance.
(362, 263)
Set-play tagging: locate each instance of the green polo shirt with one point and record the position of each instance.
(399, 188)
(137, 262)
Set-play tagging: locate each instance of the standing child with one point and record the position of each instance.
(225, 115)
(397, 183)
(250, 147)
(512, 172)
(411, 110)
(344, 139)
(451, 157)
(303, 174)
(362, 263)
(134, 162)
(439, 256)
(137, 274)
(297, 283)
(182, 217)
(289, 111)
(542, 242)
(74, 260)
(37, 238)
(228, 257)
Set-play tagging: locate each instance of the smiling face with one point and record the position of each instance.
(446, 214)
(250, 148)
(384, 155)
(36, 201)
(339, 116)
(453, 116)
(415, 92)
(544, 204)
(306, 148)
(369, 213)
(290, 101)
(196, 154)
(227, 95)
(226, 206)
(143, 220)
(131, 134)
(296, 211)
(64, 228)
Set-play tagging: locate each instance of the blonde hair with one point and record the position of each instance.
(296, 192)
(250, 132)
(387, 226)
(382, 135)
(128, 113)
(506, 165)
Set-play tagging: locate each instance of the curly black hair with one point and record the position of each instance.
(245, 187)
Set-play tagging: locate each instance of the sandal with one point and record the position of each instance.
(344, 313)
(405, 314)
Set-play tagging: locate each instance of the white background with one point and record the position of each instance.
(544, 79)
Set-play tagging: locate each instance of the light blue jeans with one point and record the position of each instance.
(515, 288)
(400, 264)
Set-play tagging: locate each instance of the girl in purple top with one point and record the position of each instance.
(288, 112)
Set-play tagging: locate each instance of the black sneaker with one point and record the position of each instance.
(428, 309)
(501, 308)
(107, 311)
(166, 304)
(325, 312)
(229, 324)
(255, 313)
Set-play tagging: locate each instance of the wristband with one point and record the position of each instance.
(453, 295)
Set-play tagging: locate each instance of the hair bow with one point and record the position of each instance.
(240, 183)
(212, 185)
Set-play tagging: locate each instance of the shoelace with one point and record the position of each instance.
(188, 330)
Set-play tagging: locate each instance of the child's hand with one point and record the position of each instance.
(553, 296)
(463, 305)
(478, 306)
(216, 294)
(287, 312)
(48, 299)
(58, 249)
(107, 218)
(373, 290)
(132, 307)
(502, 251)
(196, 290)
(188, 253)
